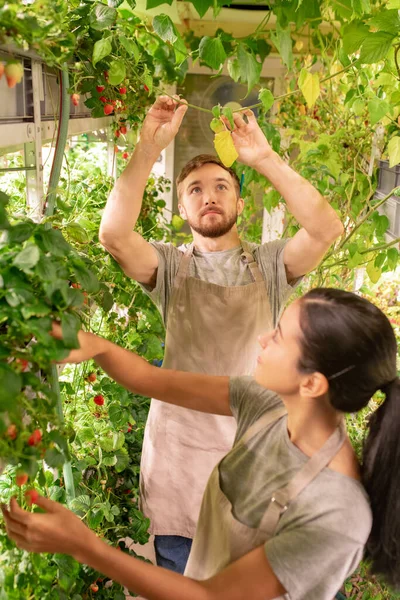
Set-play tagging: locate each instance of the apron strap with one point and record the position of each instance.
(281, 498)
(247, 256)
(183, 266)
(267, 419)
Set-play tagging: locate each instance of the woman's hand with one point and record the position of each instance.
(90, 345)
(56, 530)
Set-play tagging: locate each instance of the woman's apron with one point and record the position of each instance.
(220, 538)
(211, 329)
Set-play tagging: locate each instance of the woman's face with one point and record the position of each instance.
(277, 363)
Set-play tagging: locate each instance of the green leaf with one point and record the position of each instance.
(114, 3)
(154, 3)
(109, 461)
(70, 324)
(227, 112)
(283, 42)
(131, 47)
(271, 200)
(392, 258)
(216, 125)
(380, 259)
(122, 460)
(353, 36)
(164, 27)
(202, 6)
(309, 85)
(116, 72)
(102, 17)
(27, 258)
(375, 47)
(212, 52)
(358, 107)
(250, 68)
(77, 233)
(381, 224)
(86, 277)
(216, 111)
(177, 222)
(386, 20)
(377, 109)
(234, 69)
(373, 272)
(10, 387)
(394, 151)
(54, 458)
(267, 98)
(101, 49)
(20, 232)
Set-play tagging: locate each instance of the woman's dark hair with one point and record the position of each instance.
(350, 341)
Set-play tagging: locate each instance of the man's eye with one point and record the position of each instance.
(222, 186)
(195, 190)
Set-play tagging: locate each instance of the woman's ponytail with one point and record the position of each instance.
(381, 478)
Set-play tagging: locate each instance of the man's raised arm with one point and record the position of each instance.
(137, 257)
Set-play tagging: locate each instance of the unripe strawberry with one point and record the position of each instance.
(108, 109)
(146, 89)
(75, 99)
(12, 431)
(122, 90)
(125, 155)
(1, 69)
(117, 133)
(21, 479)
(31, 497)
(113, 102)
(14, 73)
(100, 88)
(123, 129)
(116, 149)
(92, 377)
(103, 99)
(35, 438)
(99, 400)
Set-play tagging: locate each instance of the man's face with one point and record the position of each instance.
(209, 201)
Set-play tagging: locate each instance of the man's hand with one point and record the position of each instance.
(56, 530)
(250, 142)
(162, 123)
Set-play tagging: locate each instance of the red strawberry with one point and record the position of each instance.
(123, 129)
(21, 479)
(92, 377)
(100, 88)
(122, 90)
(14, 73)
(146, 89)
(31, 497)
(125, 155)
(94, 587)
(77, 286)
(99, 400)
(35, 438)
(23, 364)
(108, 109)
(1, 69)
(103, 99)
(75, 99)
(113, 102)
(117, 133)
(116, 149)
(12, 431)
(129, 428)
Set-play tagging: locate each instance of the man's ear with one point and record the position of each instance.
(182, 211)
(314, 385)
(240, 206)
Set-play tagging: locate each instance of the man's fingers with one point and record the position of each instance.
(48, 505)
(17, 513)
(56, 330)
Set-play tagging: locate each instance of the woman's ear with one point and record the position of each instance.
(314, 385)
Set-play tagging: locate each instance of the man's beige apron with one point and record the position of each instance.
(210, 329)
(220, 539)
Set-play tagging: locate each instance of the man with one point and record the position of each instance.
(215, 296)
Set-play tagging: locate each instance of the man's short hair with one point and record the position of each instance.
(197, 162)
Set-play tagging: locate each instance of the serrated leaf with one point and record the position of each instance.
(392, 258)
(283, 42)
(212, 52)
(102, 17)
(377, 109)
(353, 36)
(394, 151)
(131, 47)
(250, 68)
(54, 458)
(309, 85)
(386, 20)
(116, 72)
(375, 47)
(27, 258)
(70, 324)
(225, 148)
(267, 98)
(234, 69)
(109, 461)
(373, 272)
(164, 27)
(10, 387)
(101, 49)
(202, 6)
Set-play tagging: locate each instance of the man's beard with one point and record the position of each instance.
(214, 230)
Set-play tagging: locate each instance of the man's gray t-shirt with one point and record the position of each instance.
(223, 268)
(320, 538)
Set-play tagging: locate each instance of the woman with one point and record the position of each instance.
(285, 514)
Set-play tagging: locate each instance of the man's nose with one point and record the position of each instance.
(264, 339)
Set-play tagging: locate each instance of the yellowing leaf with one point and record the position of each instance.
(373, 272)
(309, 85)
(225, 148)
(217, 126)
(394, 151)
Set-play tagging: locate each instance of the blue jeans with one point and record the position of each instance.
(172, 552)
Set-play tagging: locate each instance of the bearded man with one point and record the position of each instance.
(215, 296)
